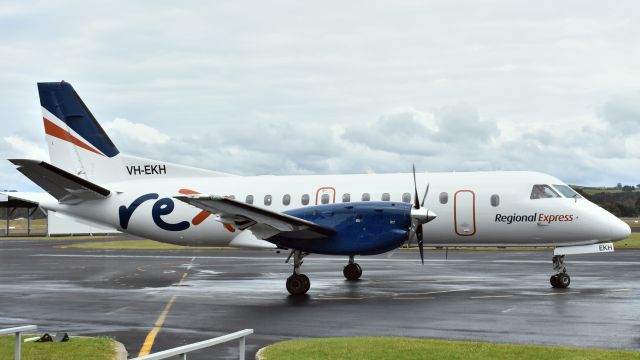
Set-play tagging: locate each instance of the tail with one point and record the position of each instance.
(78, 144)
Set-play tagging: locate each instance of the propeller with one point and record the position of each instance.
(419, 216)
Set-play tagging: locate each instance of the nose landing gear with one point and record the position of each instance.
(561, 279)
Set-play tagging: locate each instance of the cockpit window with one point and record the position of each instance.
(543, 192)
(567, 191)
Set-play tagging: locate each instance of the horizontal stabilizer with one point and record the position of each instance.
(263, 223)
(65, 187)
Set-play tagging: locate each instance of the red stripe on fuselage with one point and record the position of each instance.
(56, 131)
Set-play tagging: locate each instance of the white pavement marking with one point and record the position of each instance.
(507, 310)
(491, 296)
(434, 292)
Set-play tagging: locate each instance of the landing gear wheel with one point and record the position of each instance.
(560, 281)
(352, 271)
(563, 280)
(298, 284)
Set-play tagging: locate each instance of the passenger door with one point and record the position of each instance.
(464, 212)
(325, 195)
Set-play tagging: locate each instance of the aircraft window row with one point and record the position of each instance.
(495, 200)
(542, 191)
(567, 191)
(326, 198)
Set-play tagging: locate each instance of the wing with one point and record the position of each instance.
(263, 223)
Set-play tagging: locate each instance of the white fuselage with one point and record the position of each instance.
(462, 202)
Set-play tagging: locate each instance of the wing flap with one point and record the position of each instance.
(263, 223)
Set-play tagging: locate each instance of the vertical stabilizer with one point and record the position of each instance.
(74, 137)
(78, 144)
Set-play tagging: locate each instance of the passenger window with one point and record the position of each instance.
(324, 198)
(567, 191)
(286, 199)
(305, 199)
(386, 197)
(495, 200)
(543, 192)
(267, 200)
(366, 197)
(444, 198)
(406, 197)
(249, 199)
(346, 197)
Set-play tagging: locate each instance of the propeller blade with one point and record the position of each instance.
(420, 243)
(425, 195)
(416, 202)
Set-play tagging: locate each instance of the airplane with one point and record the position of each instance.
(344, 215)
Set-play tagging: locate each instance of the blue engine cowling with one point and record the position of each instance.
(362, 228)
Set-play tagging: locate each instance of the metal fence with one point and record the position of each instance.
(183, 350)
(18, 330)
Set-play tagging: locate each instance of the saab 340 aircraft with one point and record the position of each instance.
(344, 215)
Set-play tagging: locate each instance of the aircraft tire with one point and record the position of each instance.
(352, 271)
(563, 280)
(298, 284)
(560, 281)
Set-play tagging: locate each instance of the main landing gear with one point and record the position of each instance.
(298, 284)
(352, 271)
(561, 279)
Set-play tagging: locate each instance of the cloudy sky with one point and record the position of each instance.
(291, 87)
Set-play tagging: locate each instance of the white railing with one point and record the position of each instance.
(183, 350)
(17, 331)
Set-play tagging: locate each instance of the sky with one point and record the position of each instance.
(291, 87)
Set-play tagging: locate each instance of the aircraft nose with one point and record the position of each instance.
(620, 230)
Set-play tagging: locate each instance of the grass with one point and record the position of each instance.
(136, 245)
(38, 226)
(632, 242)
(48, 238)
(408, 348)
(99, 348)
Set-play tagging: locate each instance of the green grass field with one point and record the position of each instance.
(99, 348)
(19, 227)
(136, 245)
(633, 242)
(373, 348)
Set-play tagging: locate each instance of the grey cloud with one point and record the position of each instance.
(622, 113)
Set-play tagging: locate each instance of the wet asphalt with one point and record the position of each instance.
(499, 296)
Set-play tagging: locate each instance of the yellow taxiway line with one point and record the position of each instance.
(151, 337)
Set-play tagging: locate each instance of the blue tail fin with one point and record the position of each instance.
(61, 101)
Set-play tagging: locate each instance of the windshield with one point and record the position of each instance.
(567, 191)
(543, 192)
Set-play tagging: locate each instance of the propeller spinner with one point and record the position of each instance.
(419, 215)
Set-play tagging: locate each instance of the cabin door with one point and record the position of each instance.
(464, 209)
(325, 195)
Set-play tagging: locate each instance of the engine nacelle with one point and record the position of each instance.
(362, 228)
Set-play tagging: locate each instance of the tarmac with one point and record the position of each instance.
(498, 296)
